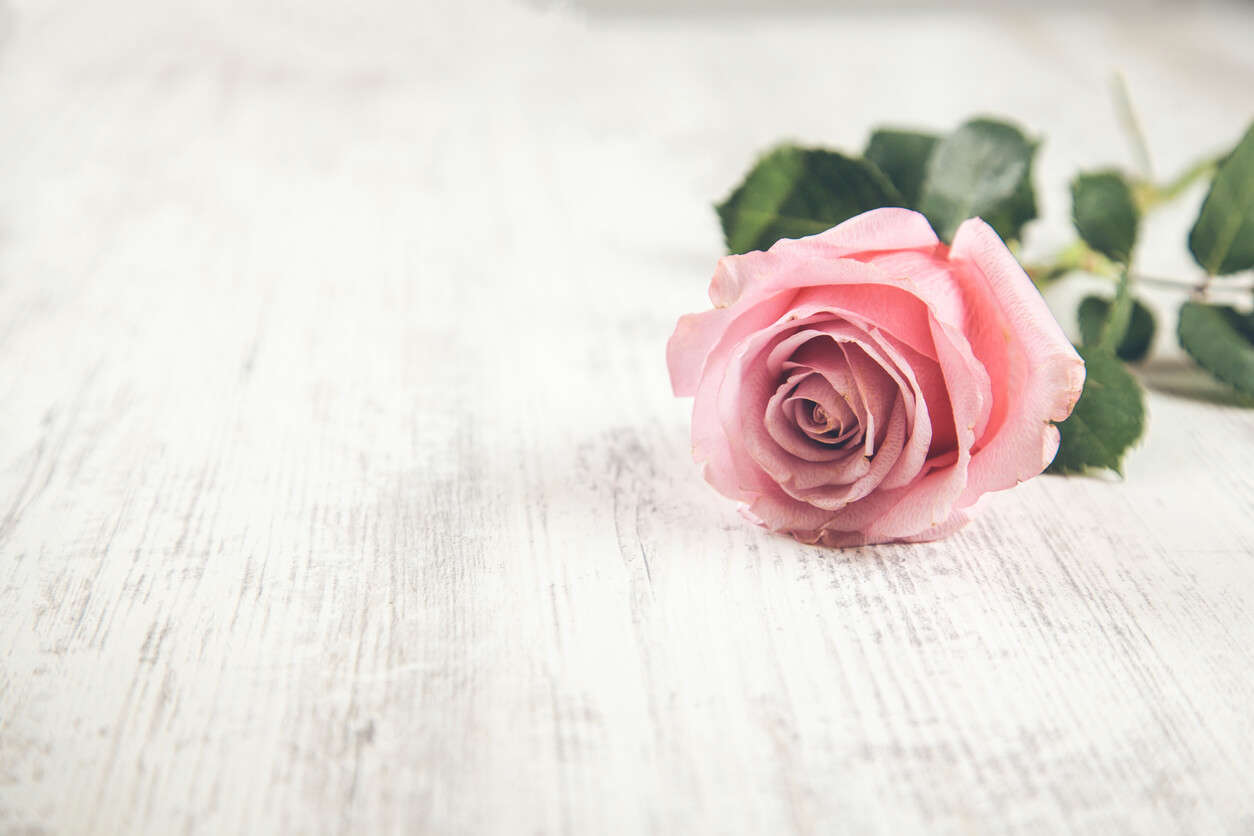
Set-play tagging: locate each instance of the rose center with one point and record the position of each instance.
(832, 424)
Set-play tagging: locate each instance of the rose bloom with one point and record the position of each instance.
(868, 384)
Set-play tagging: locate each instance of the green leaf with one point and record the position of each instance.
(1105, 214)
(1106, 421)
(1009, 218)
(1222, 240)
(980, 170)
(902, 156)
(792, 192)
(1136, 339)
(1221, 340)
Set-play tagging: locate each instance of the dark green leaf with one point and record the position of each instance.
(1105, 214)
(1010, 218)
(1222, 240)
(902, 155)
(1107, 420)
(979, 170)
(792, 192)
(1136, 339)
(1221, 340)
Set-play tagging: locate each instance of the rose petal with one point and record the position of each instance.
(931, 500)
(931, 277)
(913, 367)
(687, 349)
(743, 399)
(847, 539)
(778, 511)
(891, 306)
(879, 391)
(835, 497)
(841, 418)
(880, 229)
(782, 424)
(710, 445)
(1042, 373)
(843, 351)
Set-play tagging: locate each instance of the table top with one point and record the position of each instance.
(342, 489)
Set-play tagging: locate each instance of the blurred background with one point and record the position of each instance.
(143, 130)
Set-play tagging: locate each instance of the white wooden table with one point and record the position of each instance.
(341, 488)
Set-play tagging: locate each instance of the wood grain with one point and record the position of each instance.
(341, 487)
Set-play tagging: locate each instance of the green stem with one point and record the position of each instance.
(1131, 126)
(1153, 195)
(1079, 256)
(1075, 256)
(1073, 259)
(1119, 316)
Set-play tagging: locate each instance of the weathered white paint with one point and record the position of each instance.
(341, 488)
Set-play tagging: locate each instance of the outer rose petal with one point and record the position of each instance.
(849, 539)
(879, 229)
(686, 350)
(700, 338)
(1043, 374)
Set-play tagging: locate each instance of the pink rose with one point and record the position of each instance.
(868, 384)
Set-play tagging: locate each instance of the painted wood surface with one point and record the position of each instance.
(341, 487)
